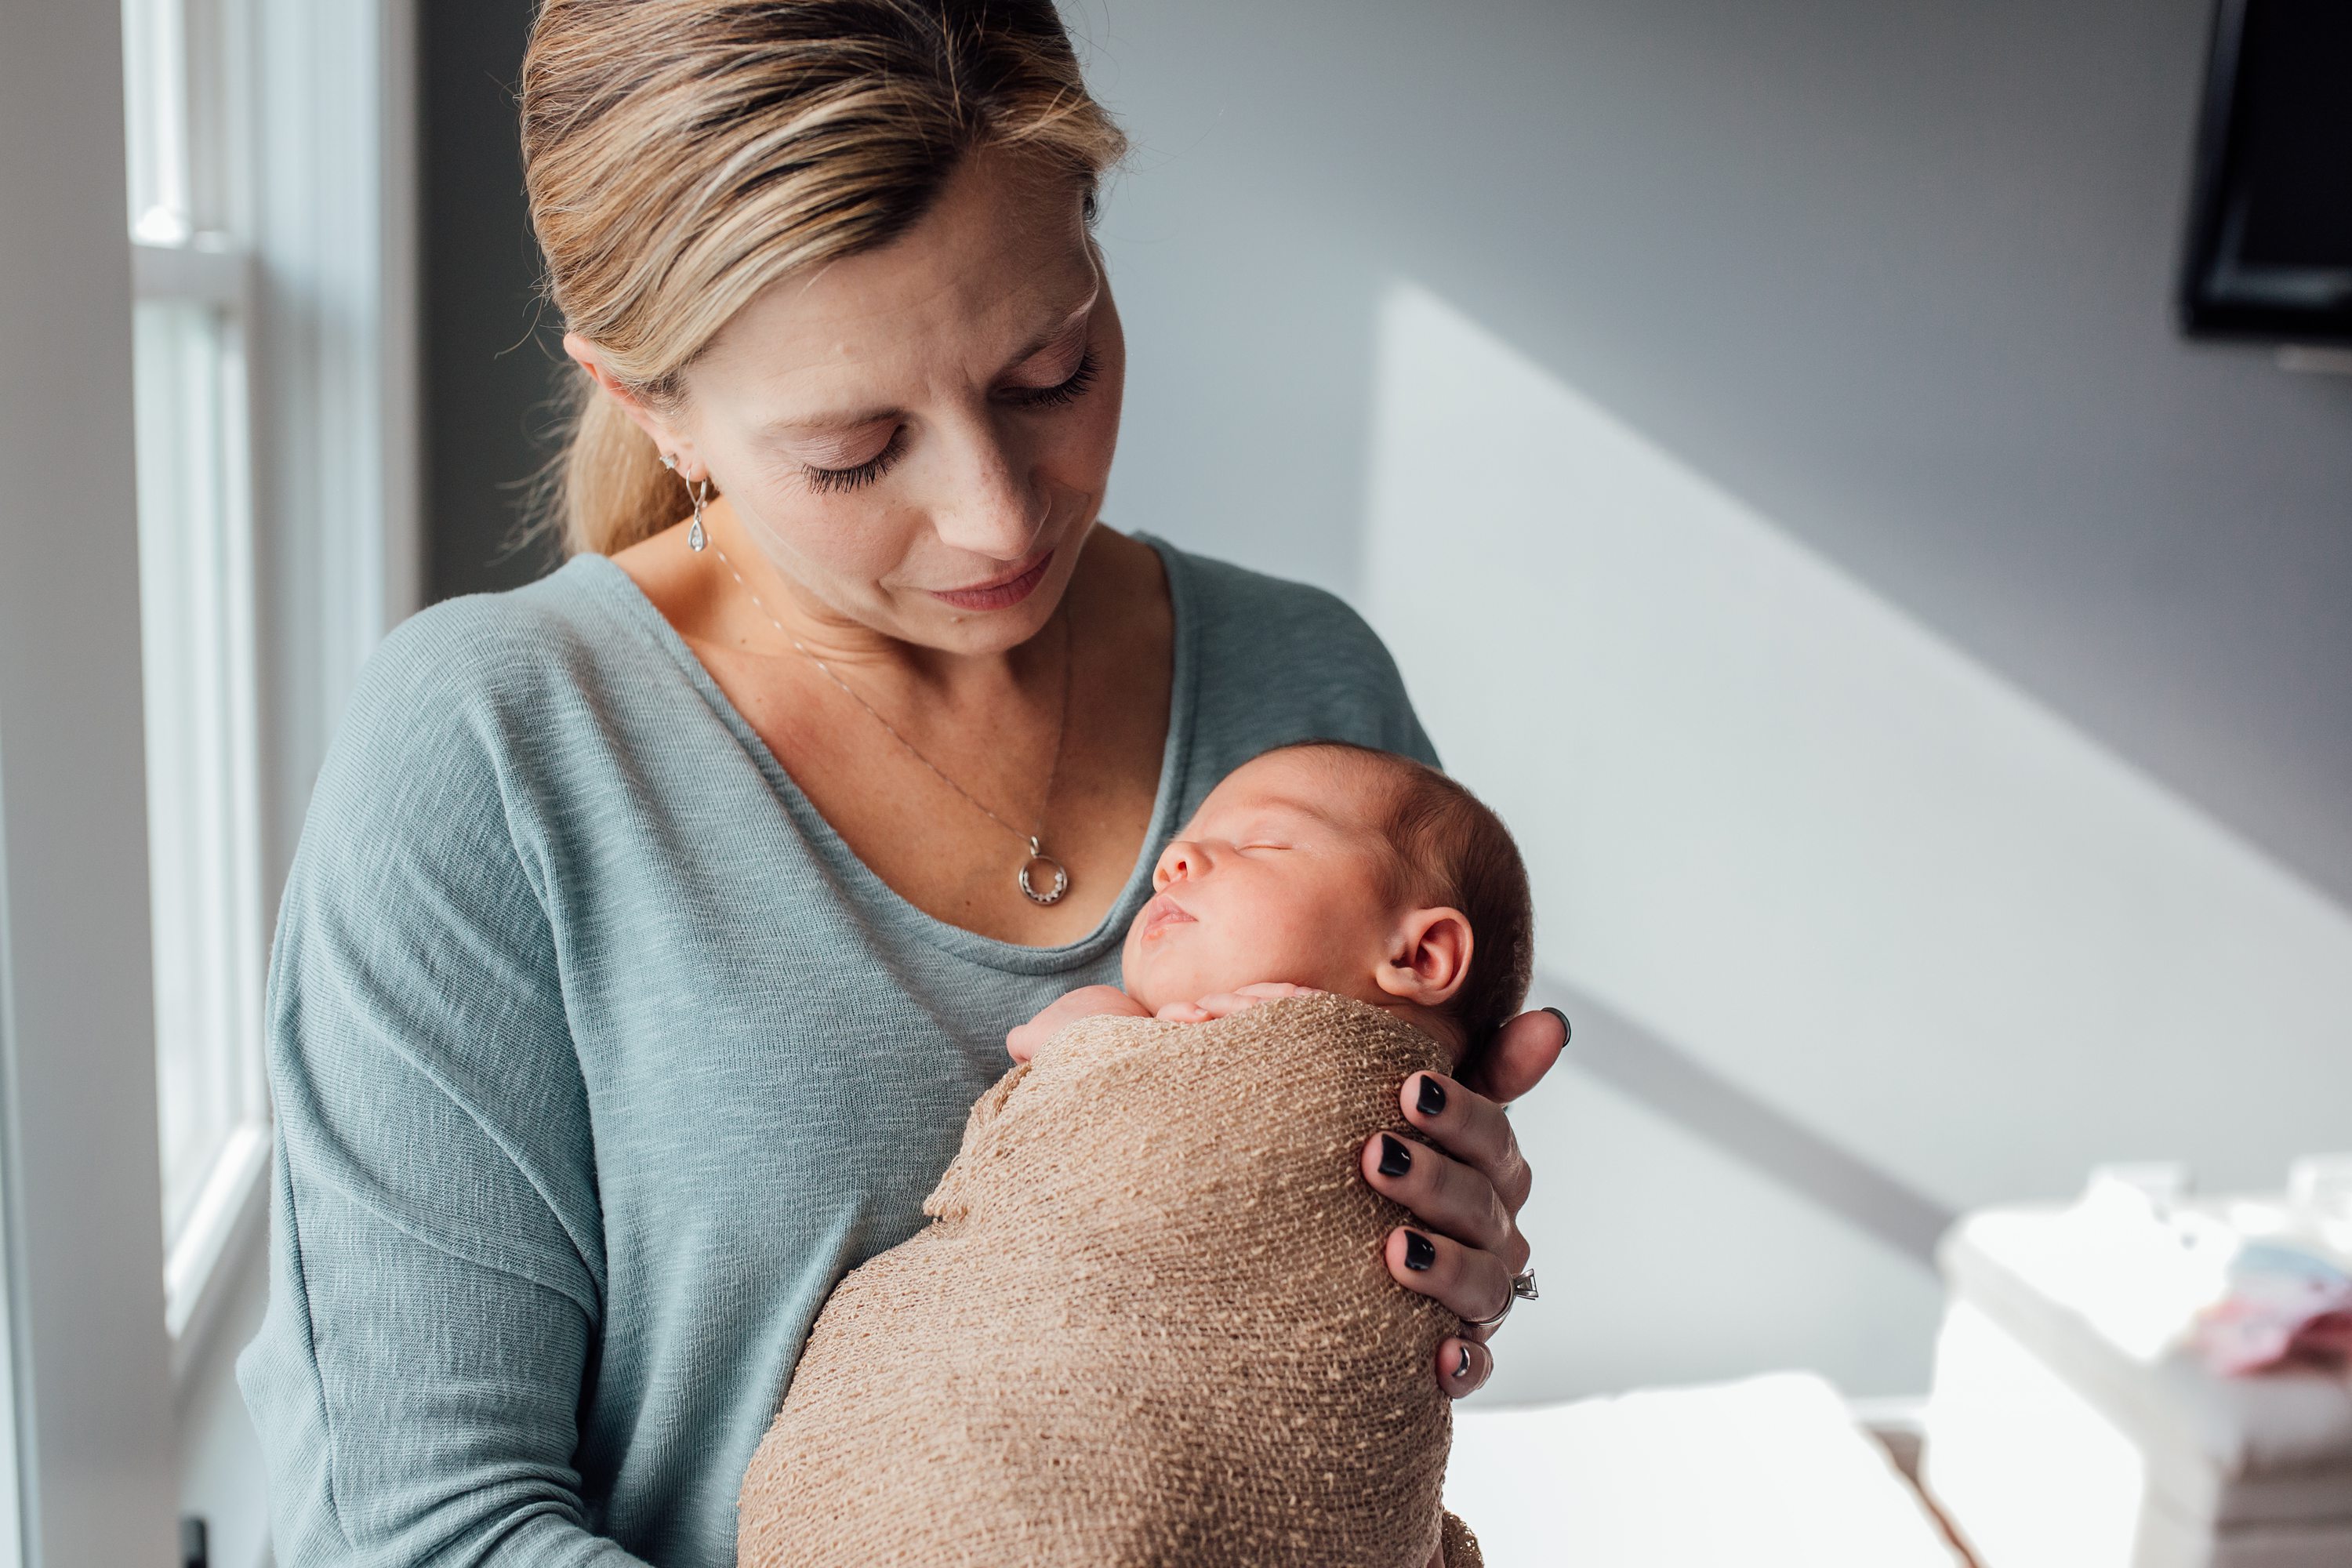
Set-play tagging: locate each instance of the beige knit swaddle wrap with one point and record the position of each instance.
(1150, 1325)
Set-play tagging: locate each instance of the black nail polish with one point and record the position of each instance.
(1432, 1096)
(1462, 1373)
(1395, 1158)
(1566, 1033)
(1419, 1252)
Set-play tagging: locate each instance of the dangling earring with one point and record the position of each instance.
(697, 540)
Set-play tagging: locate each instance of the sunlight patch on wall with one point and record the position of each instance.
(1795, 833)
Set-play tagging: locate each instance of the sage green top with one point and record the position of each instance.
(599, 1058)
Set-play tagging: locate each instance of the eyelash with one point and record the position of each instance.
(831, 482)
(1067, 393)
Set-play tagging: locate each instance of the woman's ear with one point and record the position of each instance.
(1428, 958)
(672, 442)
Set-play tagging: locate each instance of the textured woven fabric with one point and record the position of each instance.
(1138, 1331)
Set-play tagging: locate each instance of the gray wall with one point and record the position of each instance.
(1896, 274)
(1894, 280)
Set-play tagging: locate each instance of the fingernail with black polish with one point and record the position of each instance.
(1432, 1096)
(1419, 1252)
(1395, 1158)
(1462, 1373)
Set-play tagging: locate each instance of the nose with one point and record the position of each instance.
(990, 508)
(1181, 861)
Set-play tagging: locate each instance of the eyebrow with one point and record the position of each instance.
(826, 422)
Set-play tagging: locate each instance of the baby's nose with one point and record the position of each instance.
(1180, 861)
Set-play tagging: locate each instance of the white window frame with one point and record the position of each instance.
(188, 157)
(247, 206)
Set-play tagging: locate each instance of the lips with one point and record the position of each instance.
(1002, 594)
(1159, 915)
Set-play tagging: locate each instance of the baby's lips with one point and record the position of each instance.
(1162, 910)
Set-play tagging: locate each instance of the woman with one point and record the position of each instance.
(654, 926)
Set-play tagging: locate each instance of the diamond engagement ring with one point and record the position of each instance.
(1523, 1288)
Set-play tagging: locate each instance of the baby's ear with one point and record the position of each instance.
(1428, 957)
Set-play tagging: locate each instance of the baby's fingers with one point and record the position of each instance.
(1241, 999)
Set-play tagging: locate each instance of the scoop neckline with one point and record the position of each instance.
(877, 898)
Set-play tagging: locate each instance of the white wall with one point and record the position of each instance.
(83, 1225)
(1918, 677)
(1779, 826)
(1897, 274)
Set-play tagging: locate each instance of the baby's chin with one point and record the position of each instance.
(1154, 975)
(1156, 985)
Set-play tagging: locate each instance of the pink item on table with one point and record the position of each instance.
(2285, 1304)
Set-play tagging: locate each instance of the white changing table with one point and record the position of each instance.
(1768, 1473)
(2068, 1430)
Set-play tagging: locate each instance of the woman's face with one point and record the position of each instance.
(919, 437)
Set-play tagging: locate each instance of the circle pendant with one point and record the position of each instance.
(1056, 885)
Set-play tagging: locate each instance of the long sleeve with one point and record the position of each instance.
(435, 1250)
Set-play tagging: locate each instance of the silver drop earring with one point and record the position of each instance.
(697, 539)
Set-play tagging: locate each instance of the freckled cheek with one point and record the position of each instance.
(859, 535)
(1075, 453)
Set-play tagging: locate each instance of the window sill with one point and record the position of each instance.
(200, 1268)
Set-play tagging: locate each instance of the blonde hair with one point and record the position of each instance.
(680, 155)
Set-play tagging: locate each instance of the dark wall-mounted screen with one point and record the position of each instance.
(2269, 242)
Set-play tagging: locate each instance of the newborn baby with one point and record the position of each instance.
(1135, 1333)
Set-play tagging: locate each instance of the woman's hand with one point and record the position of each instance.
(1464, 1180)
(1465, 1184)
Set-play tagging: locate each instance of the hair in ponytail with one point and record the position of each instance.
(680, 155)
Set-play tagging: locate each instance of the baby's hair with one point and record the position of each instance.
(1447, 847)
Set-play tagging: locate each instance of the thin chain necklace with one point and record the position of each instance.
(1058, 876)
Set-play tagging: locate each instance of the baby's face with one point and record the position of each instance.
(1277, 877)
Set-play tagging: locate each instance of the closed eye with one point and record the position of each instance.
(827, 481)
(1062, 393)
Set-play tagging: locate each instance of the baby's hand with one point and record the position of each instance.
(1224, 1004)
(1086, 1002)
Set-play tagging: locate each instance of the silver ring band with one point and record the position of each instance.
(1496, 1321)
(1523, 1288)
